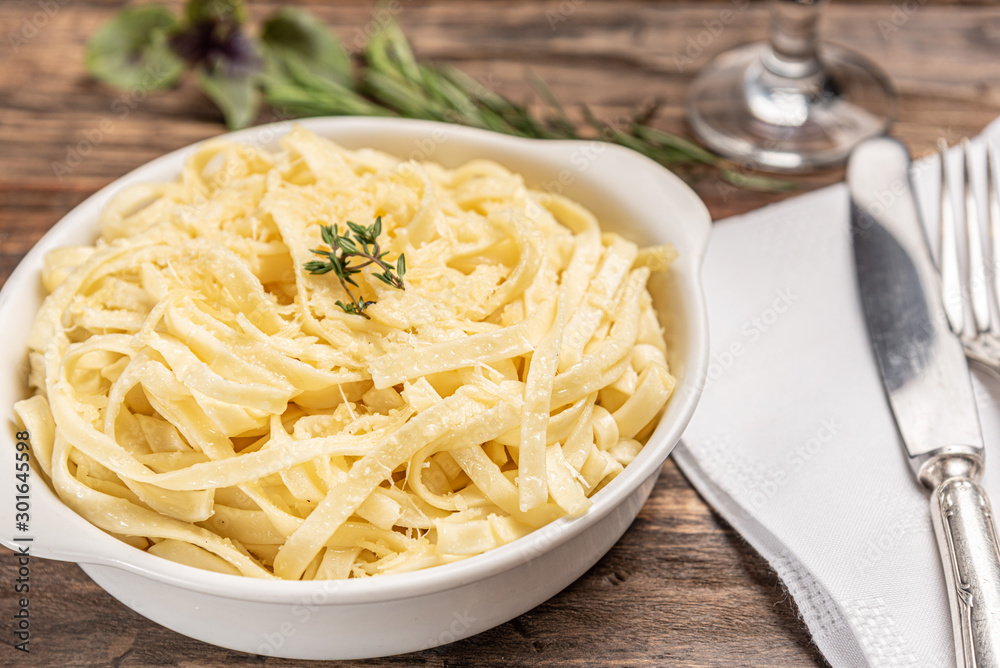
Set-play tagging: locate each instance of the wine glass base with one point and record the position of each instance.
(745, 112)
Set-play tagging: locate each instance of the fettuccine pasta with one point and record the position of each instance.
(199, 395)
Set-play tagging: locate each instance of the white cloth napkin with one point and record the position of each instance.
(794, 444)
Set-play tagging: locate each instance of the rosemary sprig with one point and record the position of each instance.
(392, 77)
(360, 243)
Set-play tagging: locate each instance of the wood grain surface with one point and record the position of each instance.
(680, 588)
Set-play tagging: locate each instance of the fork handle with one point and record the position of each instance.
(970, 554)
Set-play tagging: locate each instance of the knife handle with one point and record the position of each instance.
(967, 540)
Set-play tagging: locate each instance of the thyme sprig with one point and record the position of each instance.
(348, 254)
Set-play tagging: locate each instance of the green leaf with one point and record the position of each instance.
(211, 11)
(131, 50)
(328, 235)
(398, 48)
(348, 244)
(317, 267)
(401, 265)
(690, 149)
(300, 99)
(559, 119)
(238, 97)
(377, 227)
(305, 48)
(360, 230)
(400, 96)
(758, 182)
(389, 53)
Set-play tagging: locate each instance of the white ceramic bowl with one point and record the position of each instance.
(395, 613)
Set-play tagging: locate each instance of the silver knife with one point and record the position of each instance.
(926, 379)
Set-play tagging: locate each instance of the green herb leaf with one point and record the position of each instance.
(758, 181)
(360, 231)
(296, 98)
(317, 267)
(132, 51)
(238, 97)
(348, 245)
(329, 236)
(216, 11)
(305, 48)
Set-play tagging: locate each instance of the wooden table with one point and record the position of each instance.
(681, 588)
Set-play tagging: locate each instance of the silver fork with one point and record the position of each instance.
(970, 289)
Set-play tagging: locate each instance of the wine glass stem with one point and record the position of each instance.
(794, 38)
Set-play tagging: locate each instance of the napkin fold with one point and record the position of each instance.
(794, 443)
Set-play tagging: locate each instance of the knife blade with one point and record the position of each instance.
(926, 379)
(922, 363)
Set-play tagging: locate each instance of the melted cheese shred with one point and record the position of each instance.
(200, 396)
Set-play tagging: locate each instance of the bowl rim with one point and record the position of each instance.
(112, 552)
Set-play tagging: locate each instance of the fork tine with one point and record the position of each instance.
(951, 287)
(993, 232)
(976, 280)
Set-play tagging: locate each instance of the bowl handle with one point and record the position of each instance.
(34, 521)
